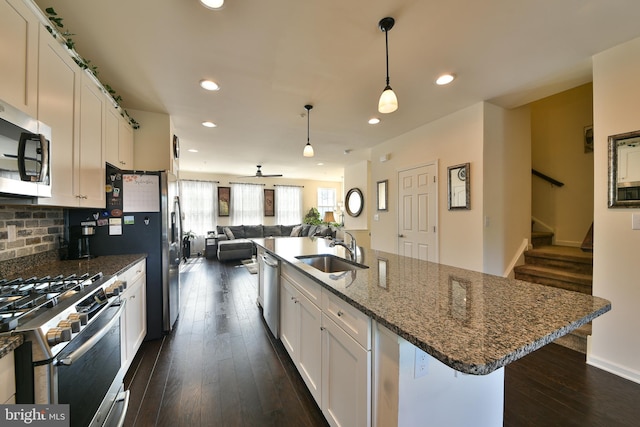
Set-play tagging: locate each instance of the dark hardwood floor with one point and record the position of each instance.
(220, 367)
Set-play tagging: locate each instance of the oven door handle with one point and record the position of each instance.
(86, 346)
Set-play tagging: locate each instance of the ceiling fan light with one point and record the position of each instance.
(388, 101)
(308, 150)
(212, 4)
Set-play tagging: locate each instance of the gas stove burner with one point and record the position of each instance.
(19, 298)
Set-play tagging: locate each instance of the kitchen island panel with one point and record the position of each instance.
(472, 322)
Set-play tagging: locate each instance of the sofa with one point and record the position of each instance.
(234, 240)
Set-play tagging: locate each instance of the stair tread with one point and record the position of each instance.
(561, 252)
(553, 272)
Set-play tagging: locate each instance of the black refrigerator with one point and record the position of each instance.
(142, 216)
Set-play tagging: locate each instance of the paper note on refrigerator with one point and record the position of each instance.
(141, 193)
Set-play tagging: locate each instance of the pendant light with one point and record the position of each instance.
(388, 101)
(308, 149)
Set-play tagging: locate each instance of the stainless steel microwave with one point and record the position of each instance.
(24, 154)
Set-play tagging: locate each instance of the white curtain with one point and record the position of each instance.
(198, 200)
(247, 204)
(288, 205)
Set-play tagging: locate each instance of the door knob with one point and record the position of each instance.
(400, 235)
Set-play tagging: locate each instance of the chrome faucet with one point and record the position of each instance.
(352, 247)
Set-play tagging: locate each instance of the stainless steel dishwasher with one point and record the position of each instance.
(271, 299)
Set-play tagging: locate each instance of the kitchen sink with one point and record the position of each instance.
(330, 263)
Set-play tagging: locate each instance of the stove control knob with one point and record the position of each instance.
(69, 323)
(56, 336)
(82, 317)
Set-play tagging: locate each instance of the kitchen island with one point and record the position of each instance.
(471, 322)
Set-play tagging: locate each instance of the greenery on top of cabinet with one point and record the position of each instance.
(83, 63)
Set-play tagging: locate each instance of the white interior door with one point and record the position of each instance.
(417, 213)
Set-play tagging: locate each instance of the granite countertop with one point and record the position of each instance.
(107, 264)
(9, 343)
(471, 321)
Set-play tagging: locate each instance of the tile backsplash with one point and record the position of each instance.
(37, 230)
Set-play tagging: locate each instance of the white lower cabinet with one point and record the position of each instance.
(134, 319)
(346, 373)
(7, 379)
(335, 367)
(301, 334)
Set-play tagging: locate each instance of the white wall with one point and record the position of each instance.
(152, 145)
(451, 140)
(615, 343)
(507, 182)
(357, 176)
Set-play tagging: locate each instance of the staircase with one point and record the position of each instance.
(561, 267)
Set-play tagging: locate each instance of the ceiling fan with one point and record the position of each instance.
(259, 174)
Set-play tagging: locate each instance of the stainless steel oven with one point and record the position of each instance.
(24, 154)
(72, 346)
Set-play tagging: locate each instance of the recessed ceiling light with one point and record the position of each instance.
(209, 124)
(209, 85)
(374, 121)
(320, 164)
(445, 79)
(212, 4)
(192, 150)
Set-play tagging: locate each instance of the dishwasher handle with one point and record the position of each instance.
(269, 261)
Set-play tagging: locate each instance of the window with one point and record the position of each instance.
(288, 205)
(326, 200)
(247, 204)
(198, 202)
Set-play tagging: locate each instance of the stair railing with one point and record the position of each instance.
(547, 178)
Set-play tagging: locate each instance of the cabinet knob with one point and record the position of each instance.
(322, 328)
(340, 313)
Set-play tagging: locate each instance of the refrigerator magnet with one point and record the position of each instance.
(115, 226)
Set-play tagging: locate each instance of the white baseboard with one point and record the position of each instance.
(516, 257)
(614, 368)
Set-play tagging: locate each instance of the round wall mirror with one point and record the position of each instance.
(354, 202)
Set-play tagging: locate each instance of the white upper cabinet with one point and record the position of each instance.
(73, 105)
(90, 154)
(119, 140)
(18, 56)
(59, 81)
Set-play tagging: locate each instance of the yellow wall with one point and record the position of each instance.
(557, 146)
(615, 343)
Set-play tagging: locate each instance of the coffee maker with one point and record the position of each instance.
(79, 241)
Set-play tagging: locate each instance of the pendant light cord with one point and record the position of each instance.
(308, 110)
(386, 44)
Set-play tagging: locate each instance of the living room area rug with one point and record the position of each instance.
(251, 265)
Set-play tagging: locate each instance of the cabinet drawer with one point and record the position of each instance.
(132, 274)
(306, 285)
(353, 321)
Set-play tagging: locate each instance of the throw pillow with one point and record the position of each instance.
(296, 231)
(228, 233)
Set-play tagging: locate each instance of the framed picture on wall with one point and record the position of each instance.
(269, 202)
(383, 197)
(224, 200)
